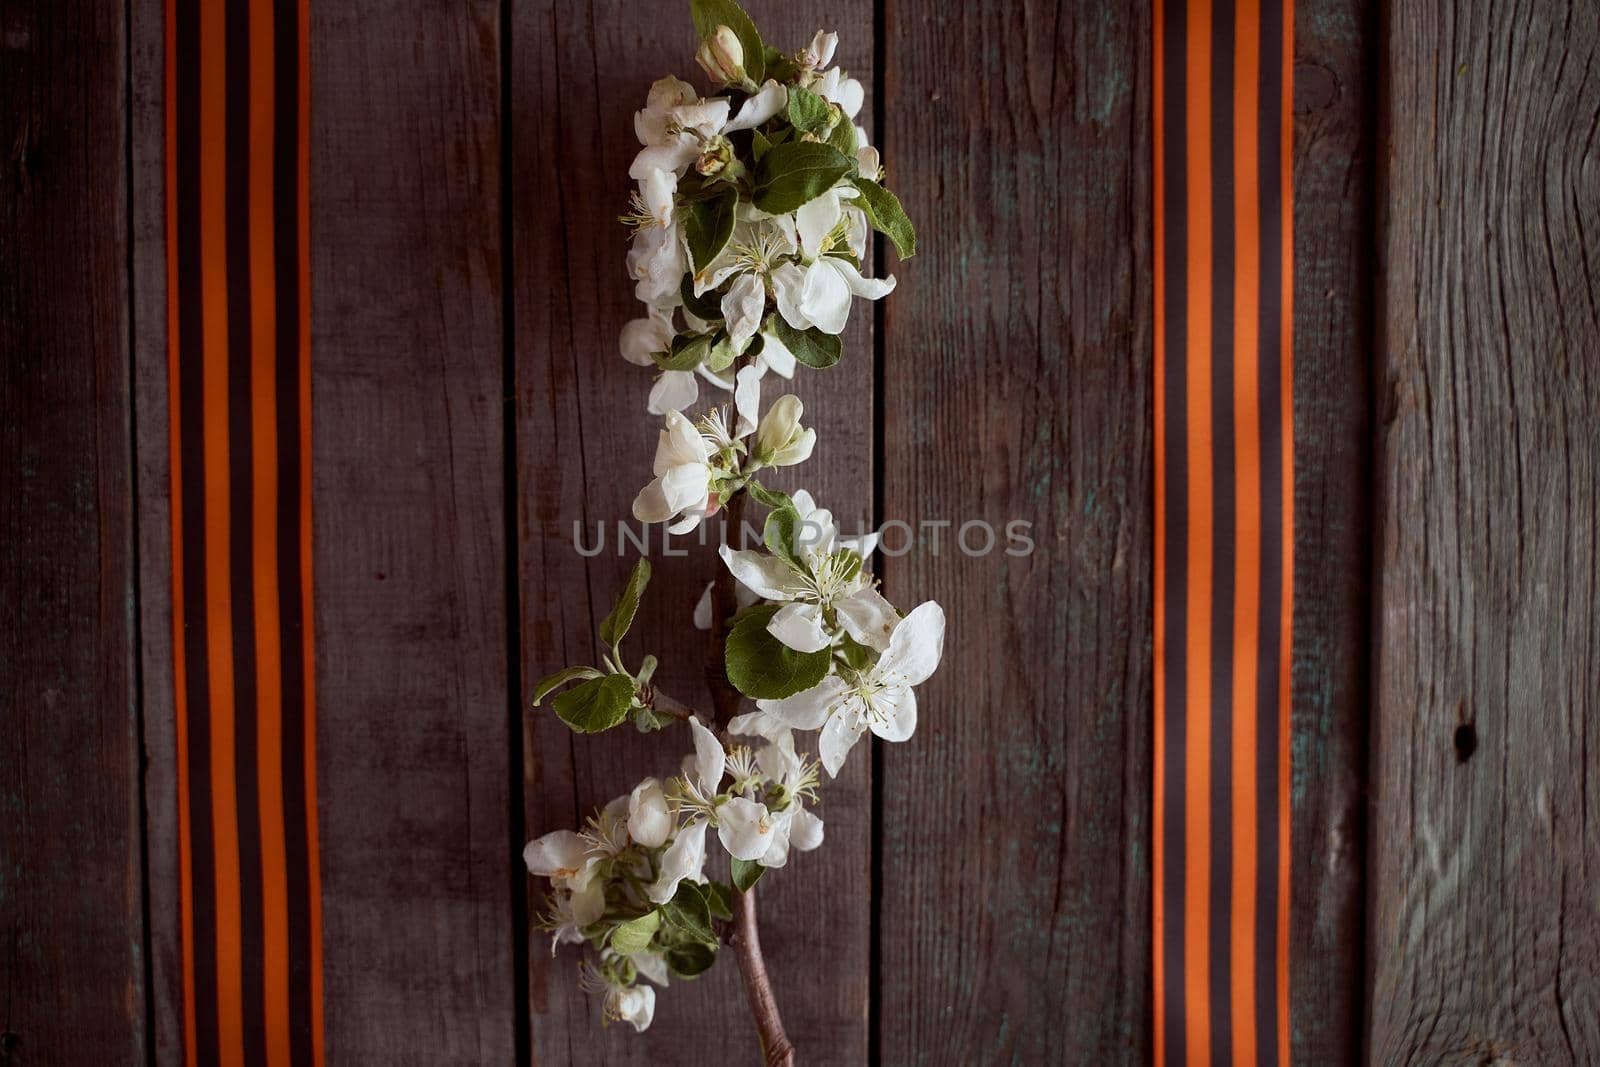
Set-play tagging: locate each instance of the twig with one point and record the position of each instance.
(776, 1051)
(745, 939)
(657, 701)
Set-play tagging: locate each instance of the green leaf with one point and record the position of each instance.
(614, 627)
(843, 137)
(707, 305)
(746, 873)
(772, 498)
(598, 704)
(707, 225)
(887, 216)
(690, 959)
(761, 666)
(635, 934)
(709, 14)
(812, 347)
(796, 173)
(687, 916)
(780, 532)
(721, 900)
(759, 144)
(559, 678)
(808, 112)
(689, 350)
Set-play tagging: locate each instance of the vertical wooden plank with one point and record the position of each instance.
(1015, 901)
(1486, 927)
(584, 446)
(407, 468)
(1334, 56)
(72, 972)
(153, 447)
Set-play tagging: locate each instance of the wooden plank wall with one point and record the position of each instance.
(1485, 936)
(72, 945)
(468, 162)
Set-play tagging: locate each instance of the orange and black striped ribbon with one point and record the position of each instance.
(238, 314)
(1224, 571)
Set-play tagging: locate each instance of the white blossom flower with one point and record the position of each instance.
(819, 53)
(837, 87)
(820, 295)
(635, 1005)
(780, 440)
(620, 1002)
(649, 820)
(676, 124)
(681, 492)
(571, 912)
(686, 856)
(878, 698)
(562, 856)
(793, 826)
(826, 576)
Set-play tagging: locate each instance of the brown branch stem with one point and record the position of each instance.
(745, 938)
(776, 1051)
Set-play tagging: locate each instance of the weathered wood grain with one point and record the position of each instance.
(1013, 917)
(1485, 933)
(1333, 119)
(584, 445)
(153, 454)
(408, 481)
(72, 969)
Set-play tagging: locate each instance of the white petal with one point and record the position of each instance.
(867, 617)
(709, 758)
(776, 355)
(803, 502)
(649, 821)
(702, 609)
(744, 828)
(684, 858)
(747, 400)
(810, 709)
(863, 546)
(658, 189)
(759, 723)
(640, 337)
(742, 306)
(788, 284)
(708, 116)
(673, 391)
(914, 647)
(897, 718)
(814, 220)
(555, 855)
(672, 156)
(848, 93)
(589, 903)
(769, 576)
(759, 108)
(871, 288)
(685, 487)
(678, 443)
(819, 53)
(825, 299)
(651, 965)
(651, 503)
(805, 831)
(839, 735)
(800, 627)
(636, 1005)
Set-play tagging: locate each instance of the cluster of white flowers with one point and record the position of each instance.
(750, 220)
